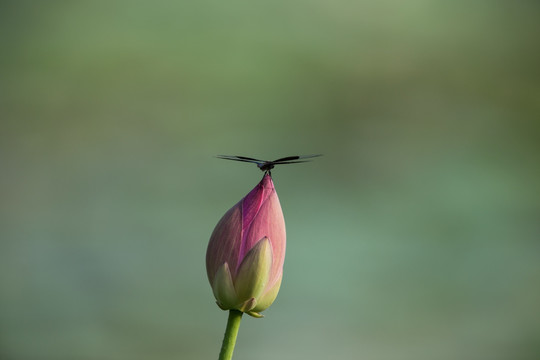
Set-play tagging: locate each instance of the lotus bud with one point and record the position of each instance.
(245, 255)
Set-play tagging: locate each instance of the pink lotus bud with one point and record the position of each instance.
(245, 255)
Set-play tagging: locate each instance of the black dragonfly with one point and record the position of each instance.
(266, 165)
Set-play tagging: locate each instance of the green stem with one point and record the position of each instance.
(229, 340)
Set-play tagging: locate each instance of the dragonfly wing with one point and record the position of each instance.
(239, 158)
(292, 158)
(288, 158)
(290, 162)
(248, 158)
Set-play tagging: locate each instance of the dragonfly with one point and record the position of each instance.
(266, 165)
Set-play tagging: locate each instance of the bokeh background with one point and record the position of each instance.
(416, 236)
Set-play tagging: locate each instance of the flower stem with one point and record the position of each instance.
(229, 340)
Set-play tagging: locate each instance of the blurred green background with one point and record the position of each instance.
(416, 236)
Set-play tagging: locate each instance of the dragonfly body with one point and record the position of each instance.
(266, 165)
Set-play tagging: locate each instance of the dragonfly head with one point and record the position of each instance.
(266, 166)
